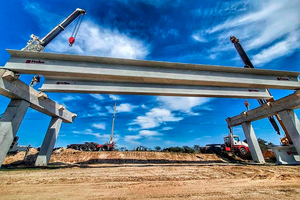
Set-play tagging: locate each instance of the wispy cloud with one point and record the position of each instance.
(125, 107)
(132, 139)
(144, 106)
(263, 23)
(155, 117)
(142, 134)
(114, 97)
(97, 96)
(167, 128)
(148, 133)
(99, 126)
(183, 104)
(88, 132)
(71, 98)
(95, 107)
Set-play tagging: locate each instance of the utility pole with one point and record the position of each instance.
(113, 124)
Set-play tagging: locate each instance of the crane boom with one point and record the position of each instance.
(35, 44)
(113, 125)
(248, 64)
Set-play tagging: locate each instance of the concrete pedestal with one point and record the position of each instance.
(49, 142)
(10, 123)
(292, 124)
(253, 143)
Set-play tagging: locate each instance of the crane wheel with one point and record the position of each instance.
(83, 148)
(243, 151)
(75, 147)
(92, 148)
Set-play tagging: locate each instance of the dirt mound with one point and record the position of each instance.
(117, 157)
(70, 156)
(22, 158)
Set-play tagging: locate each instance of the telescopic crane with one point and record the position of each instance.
(286, 140)
(36, 44)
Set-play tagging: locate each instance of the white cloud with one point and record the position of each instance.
(142, 134)
(99, 126)
(114, 97)
(95, 107)
(183, 104)
(132, 139)
(167, 128)
(262, 23)
(100, 41)
(125, 107)
(144, 106)
(71, 98)
(155, 117)
(100, 137)
(198, 37)
(109, 109)
(97, 96)
(88, 132)
(285, 47)
(94, 114)
(133, 129)
(148, 133)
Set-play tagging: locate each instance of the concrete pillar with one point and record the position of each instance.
(292, 124)
(255, 150)
(10, 123)
(49, 142)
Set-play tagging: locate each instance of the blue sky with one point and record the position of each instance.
(162, 30)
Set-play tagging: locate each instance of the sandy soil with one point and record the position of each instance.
(204, 179)
(152, 181)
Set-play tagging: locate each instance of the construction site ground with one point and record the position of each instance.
(144, 175)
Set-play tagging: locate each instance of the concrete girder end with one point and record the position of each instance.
(10, 75)
(42, 95)
(61, 107)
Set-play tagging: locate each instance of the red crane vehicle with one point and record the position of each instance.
(232, 144)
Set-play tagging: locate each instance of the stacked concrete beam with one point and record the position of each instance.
(151, 89)
(23, 97)
(69, 68)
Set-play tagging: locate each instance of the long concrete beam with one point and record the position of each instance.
(90, 68)
(289, 102)
(151, 89)
(12, 87)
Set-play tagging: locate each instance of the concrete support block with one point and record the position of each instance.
(292, 124)
(253, 143)
(10, 76)
(10, 123)
(49, 142)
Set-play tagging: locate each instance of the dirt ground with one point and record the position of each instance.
(206, 179)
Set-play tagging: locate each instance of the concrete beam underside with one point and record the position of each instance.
(292, 125)
(49, 142)
(10, 123)
(255, 150)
